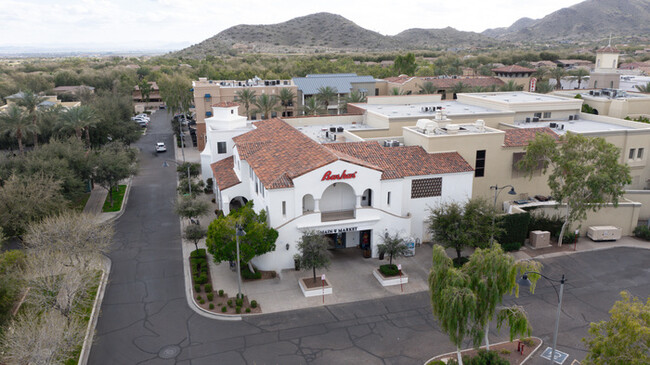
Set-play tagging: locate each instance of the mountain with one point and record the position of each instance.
(589, 20)
(431, 38)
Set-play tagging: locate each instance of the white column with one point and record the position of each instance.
(316, 207)
(358, 201)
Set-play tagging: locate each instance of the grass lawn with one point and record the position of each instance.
(118, 196)
(78, 203)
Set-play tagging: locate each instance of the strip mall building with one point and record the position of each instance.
(351, 192)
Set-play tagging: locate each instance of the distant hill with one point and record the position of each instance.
(589, 20)
(447, 37)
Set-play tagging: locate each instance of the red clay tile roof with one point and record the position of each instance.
(470, 82)
(608, 49)
(224, 174)
(399, 79)
(225, 104)
(521, 137)
(513, 69)
(399, 162)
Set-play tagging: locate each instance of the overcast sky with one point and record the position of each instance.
(152, 23)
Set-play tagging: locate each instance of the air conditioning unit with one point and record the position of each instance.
(452, 128)
(394, 143)
(527, 120)
(553, 125)
(576, 117)
(570, 117)
(604, 233)
(535, 119)
(387, 143)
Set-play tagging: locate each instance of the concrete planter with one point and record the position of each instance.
(314, 292)
(391, 280)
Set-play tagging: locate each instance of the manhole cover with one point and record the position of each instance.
(169, 352)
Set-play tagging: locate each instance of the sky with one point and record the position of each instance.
(150, 24)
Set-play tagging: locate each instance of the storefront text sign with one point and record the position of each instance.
(337, 230)
(342, 176)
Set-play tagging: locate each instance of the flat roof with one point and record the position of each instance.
(450, 107)
(576, 126)
(518, 97)
(317, 132)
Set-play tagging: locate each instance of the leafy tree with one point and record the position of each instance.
(195, 169)
(405, 65)
(543, 87)
(585, 172)
(557, 73)
(28, 199)
(188, 207)
(11, 264)
(579, 74)
(286, 98)
(265, 104)
(313, 252)
(541, 73)
(624, 338)
(511, 86)
(427, 88)
(258, 240)
(463, 226)
(14, 122)
(79, 118)
(113, 162)
(396, 91)
(643, 88)
(354, 97)
(31, 101)
(393, 245)
(246, 97)
(113, 112)
(325, 95)
(194, 233)
(145, 90)
(459, 88)
(312, 107)
(175, 91)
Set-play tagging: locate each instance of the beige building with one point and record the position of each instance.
(518, 74)
(48, 101)
(613, 102)
(445, 86)
(605, 72)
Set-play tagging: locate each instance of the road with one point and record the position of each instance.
(145, 318)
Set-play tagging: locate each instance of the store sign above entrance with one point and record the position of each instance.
(342, 176)
(337, 230)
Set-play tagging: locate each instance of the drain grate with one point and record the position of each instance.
(169, 352)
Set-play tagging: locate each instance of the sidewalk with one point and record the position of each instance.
(96, 202)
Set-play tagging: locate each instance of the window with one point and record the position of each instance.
(388, 199)
(639, 154)
(479, 169)
(632, 153)
(376, 92)
(547, 114)
(423, 188)
(284, 208)
(537, 115)
(221, 147)
(232, 111)
(611, 84)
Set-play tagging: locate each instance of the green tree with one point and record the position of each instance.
(557, 73)
(463, 226)
(624, 338)
(354, 97)
(286, 98)
(79, 118)
(511, 86)
(579, 74)
(145, 90)
(459, 88)
(175, 92)
(585, 173)
(396, 91)
(194, 233)
(326, 95)
(188, 207)
(312, 107)
(113, 112)
(113, 162)
(427, 88)
(313, 252)
(258, 240)
(246, 97)
(15, 123)
(405, 65)
(543, 87)
(643, 88)
(393, 245)
(31, 102)
(266, 104)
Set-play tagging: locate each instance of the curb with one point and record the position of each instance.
(94, 315)
(494, 344)
(566, 253)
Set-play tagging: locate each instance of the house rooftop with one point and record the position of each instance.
(342, 83)
(513, 97)
(426, 110)
(576, 126)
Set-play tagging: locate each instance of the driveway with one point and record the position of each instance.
(145, 318)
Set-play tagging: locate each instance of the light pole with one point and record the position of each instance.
(239, 231)
(189, 181)
(526, 283)
(497, 190)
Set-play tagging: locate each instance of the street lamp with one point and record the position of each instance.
(524, 282)
(239, 231)
(497, 190)
(189, 181)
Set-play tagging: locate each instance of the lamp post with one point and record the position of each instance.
(239, 231)
(189, 181)
(523, 281)
(497, 190)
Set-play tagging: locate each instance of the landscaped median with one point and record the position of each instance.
(510, 352)
(118, 198)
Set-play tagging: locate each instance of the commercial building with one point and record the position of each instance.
(605, 72)
(342, 84)
(48, 101)
(446, 86)
(614, 103)
(518, 74)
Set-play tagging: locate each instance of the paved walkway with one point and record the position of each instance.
(96, 201)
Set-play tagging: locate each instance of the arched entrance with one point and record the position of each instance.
(307, 203)
(366, 198)
(338, 202)
(237, 202)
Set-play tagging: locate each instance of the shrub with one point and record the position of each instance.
(239, 302)
(229, 302)
(238, 309)
(504, 352)
(211, 306)
(642, 232)
(224, 309)
(513, 246)
(569, 237)
(210, 296)
(528, 342)
(200, 253)
(208, 288)
(248, 310)
(202, 301)
(218, 213)
(214, 200)
(198, 297)
(197, 287)
(247, 274)
(542, 222)
(253, 303)
(201, 279)
(389, 270)
(221, 292)
(482, 358)
(437, 362)
(515, 230)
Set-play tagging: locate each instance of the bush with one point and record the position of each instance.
(253, 303)
(211, 306)
(202, 301)
(221, 292)
(542, 222)
(389, 270)
(208, 288)
(513, 246)
(229, 303)
(482, 358)
(515, 230)
(238, 309)
(218, 213)
(248, 275)
(569, 237)
(210, 297)
(248, 310)
(200, 253)
(642, 232)
(198, 297)
(201, 279)
(197, 287)
(224, 309)
(239, 302)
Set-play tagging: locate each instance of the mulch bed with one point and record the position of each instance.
(507, 351)
(311, 284)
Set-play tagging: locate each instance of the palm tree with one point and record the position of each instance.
(79, 118)
(543, 87)
(459, 88)
(579, 74)
(325, 95)
(312, 107)
(396, 91)
(427, 88)
(30, 101)
(265, 104)
(286, 98)
(511, 86)
(558, 73)
(15, 122)
(246, 97)
(541, 73)
(354, 97)
(643, 88)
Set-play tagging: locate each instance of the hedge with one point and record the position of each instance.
(515, 230)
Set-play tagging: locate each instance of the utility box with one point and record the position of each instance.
(604, 233)
(540, 239)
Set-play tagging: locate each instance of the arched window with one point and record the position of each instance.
(307, 203)
(366, 198)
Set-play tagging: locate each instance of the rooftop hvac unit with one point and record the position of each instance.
(591, 92)
(553, 125)
(439, 108)
(527, 120)
(453, 128)
(394, 143)
(387, 143)
(562, 126)
(339, 129)
(480, 125)
(333, 129)
(535, 119)
(576, 117)
(570, 117)
(422, 123)
(334, 137)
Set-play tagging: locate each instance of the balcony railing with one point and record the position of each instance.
(337, 215)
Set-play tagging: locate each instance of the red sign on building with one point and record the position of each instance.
(342, 176)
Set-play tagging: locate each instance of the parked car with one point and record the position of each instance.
(160, 147)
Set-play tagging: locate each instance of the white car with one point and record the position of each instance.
(160, 147)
